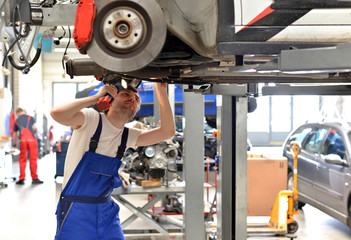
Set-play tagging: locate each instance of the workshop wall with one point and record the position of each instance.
(5, 101)
(53, 72)
(28, 90)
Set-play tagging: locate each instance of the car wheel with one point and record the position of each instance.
(349, 219)
(128, 35)
(293, 227)
(297, 204)
(300, 205)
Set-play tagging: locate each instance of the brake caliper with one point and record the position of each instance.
(83, 25)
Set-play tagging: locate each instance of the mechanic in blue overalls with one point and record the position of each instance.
(85, 209)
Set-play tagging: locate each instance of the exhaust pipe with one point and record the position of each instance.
(84, 67)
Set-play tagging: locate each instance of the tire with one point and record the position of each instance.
(300, 204)
(293, 227)
(349, 219)
(290, 185)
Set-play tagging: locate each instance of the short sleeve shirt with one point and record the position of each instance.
(109, 141)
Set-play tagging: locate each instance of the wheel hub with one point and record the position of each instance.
(127, 35)
(123, 29)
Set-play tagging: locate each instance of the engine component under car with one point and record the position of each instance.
(153, 161)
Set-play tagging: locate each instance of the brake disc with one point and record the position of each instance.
(127, 35)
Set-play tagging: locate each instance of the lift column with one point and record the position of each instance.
(194, 166)
(232, 149)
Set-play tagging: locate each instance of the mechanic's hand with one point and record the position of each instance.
(107, 89)
(160, 86)
(125, 179)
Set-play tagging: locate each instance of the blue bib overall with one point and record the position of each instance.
(85, 209)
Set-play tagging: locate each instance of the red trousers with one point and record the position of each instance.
(31, 146)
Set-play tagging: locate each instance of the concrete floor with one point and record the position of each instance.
(28, 211)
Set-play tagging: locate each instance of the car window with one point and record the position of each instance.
(334, 144)
(314, 140)
(300, 135)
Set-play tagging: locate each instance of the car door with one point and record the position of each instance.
(306, 163)
(330, 184)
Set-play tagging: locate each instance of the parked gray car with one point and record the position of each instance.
(324, 172)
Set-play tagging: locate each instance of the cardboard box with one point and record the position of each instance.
(265, 179)
(251, 155)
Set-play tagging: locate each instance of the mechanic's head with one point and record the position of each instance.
(127, 101)
(130, 88)
(20, 111)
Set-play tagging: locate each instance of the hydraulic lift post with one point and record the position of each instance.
(194, 166)
(232, 109)
(232, 177)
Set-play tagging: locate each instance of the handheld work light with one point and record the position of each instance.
(121, 84)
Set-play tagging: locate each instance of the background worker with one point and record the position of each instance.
(94, 156)
(24, 131)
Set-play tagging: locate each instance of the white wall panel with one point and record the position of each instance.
(52, 71)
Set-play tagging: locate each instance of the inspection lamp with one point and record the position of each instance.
(121, 84)
(131, 84)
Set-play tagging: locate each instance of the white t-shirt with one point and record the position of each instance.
(110, 139)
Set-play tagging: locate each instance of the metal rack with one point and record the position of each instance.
(158, 192)
(5, 163)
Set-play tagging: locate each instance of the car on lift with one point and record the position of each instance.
(188, 41)
(206, 41)
(323, 167)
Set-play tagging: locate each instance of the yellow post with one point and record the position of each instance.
(295, 149)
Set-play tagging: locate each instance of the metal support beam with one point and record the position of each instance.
(194, 166)
(307, 90)
(332, 59)
(243, 48)
(156, 110)
(232, 178)
(141, 214)
(171, 96)
(226, 89)
(134, 216)
(240, 167)
(59, 15)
